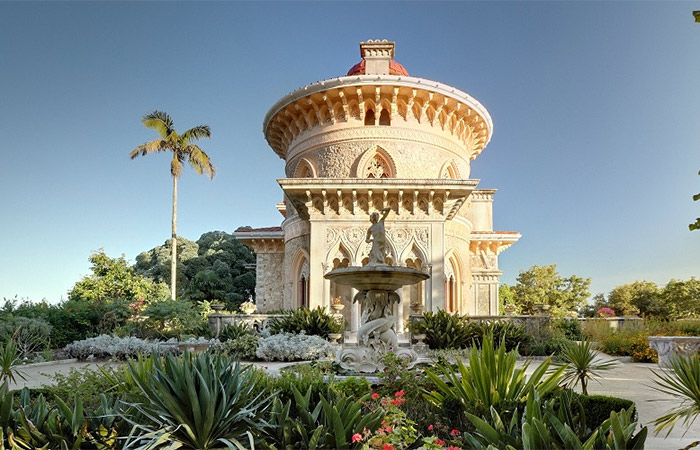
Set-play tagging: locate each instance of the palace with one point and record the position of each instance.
(372, 139)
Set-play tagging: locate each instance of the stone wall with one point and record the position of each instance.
(287, 267)
(269, 281)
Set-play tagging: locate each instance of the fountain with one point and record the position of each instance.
(376, 284)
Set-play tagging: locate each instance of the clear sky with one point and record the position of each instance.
(596, 110)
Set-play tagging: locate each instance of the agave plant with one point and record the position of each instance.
(581, 364)
(682, 383)
(201, 402)
(491, 380)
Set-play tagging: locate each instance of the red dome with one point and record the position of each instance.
(394, 69)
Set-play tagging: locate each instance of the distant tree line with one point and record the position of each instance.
(542, 285)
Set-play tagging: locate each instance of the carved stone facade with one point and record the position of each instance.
(373, 139)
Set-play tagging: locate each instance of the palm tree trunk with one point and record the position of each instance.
(173, 260)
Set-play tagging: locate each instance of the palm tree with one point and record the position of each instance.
(183, 150)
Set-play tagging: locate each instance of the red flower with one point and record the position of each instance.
(70, 309)
(387, 429)
(451, 447)
(357, 437)
(388, 447)
(439, 442)
(454, 432)
(375, 396)
(400, 393)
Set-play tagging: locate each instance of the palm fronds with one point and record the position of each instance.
(580, 364)
(682, 383)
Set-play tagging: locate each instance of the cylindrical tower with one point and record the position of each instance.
(377, 138)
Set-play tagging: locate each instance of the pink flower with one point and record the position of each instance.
(454, 432)
(357, 437)
(452, 447)
(375, 396)
(439, 442)
(400, 393)
(430, 427)
(387, 429)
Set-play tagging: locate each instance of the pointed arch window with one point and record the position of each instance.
(384, 118)
(370, 118)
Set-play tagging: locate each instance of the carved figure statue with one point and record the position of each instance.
(377, 330)
(376, 234)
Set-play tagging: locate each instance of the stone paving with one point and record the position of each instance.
(628, 380)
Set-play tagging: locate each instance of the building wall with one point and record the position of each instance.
(268, 288)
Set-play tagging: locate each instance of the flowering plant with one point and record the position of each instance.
(336, 300)
(396, 431)
(605, 312)
(248, 307)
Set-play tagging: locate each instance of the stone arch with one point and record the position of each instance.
(454, 279)
(412, 251)
(305, 169)
(375, 163)
(300, 279)
(339, 256)
(449, 171)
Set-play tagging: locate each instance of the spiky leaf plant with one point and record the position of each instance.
(196, 401)
(491, 379)
(683, 384)
(9, 360)
(581, 364)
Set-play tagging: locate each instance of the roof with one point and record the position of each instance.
(257, 230)
(394, 69)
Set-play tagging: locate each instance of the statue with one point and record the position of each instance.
(377, 330)
(376, 234)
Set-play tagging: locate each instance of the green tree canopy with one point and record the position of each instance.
(215, 267)
(544, 285)
(112, 279)
(696, 225)
(642, 295)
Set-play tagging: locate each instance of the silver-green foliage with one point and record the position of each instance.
(294, 347)
(104, 346)
(196, 401)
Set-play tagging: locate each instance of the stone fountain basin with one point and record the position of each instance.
(382, 277)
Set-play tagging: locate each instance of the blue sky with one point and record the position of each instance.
(596, 110)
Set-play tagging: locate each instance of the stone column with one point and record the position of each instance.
(317, 285)
(437, 258)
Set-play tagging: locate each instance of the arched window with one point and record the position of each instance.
(304, 292)
(384, 118)
(370, 118)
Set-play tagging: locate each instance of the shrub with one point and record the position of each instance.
(315, 322)
(103, 346)
(234, 331)
(549, 345)
(86, 384)
(294, 347)
(634, 344)
(444, 330)
(243, 347)
(598, 408)
(352, 387)
(571, 328)
(171, 318)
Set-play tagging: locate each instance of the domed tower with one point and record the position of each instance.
(380, 138)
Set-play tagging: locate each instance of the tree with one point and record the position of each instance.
(215, 267)
(642, 295)
(682, 298)
(696, 197)
(113, 280)
(543, 285)
(183, 150)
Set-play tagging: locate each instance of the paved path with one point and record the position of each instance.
(628, 380)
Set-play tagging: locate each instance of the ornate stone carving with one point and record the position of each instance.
(354, 235)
